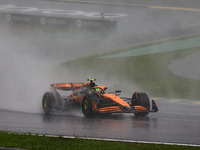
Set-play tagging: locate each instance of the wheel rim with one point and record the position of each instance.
(45, 104)
(85, 106)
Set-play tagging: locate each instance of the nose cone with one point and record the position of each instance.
(117, 99)
(126, 108)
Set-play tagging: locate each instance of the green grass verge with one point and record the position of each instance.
(148, 72)
(35, 142)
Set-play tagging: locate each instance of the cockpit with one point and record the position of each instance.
(98, 90)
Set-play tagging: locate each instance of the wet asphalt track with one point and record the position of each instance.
(174, 123)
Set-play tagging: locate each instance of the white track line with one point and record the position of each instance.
(119, 140)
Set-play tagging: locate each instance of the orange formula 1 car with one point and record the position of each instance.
(94, 100)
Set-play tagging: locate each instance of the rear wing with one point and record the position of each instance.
(67, 86)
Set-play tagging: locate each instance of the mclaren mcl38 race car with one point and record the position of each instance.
(94, 100)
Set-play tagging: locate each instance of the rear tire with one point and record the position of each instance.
(87, 104)
(87, 107)
(48, 102)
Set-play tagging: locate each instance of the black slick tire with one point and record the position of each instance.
(141, 99)
(48, 102)
(87, 107)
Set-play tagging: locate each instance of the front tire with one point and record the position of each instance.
(141, 99)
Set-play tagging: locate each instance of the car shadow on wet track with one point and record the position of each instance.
(101, 121)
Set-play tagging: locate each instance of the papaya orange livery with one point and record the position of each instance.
(111, 109)
(116, 99)
(67, 86)
(63, 85)
(94, 100)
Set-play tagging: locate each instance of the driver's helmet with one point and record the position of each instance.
(98, 90)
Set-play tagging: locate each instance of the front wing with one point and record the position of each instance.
(130, 109)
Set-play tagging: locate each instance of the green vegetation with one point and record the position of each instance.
(35, 142)
(149, 73)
